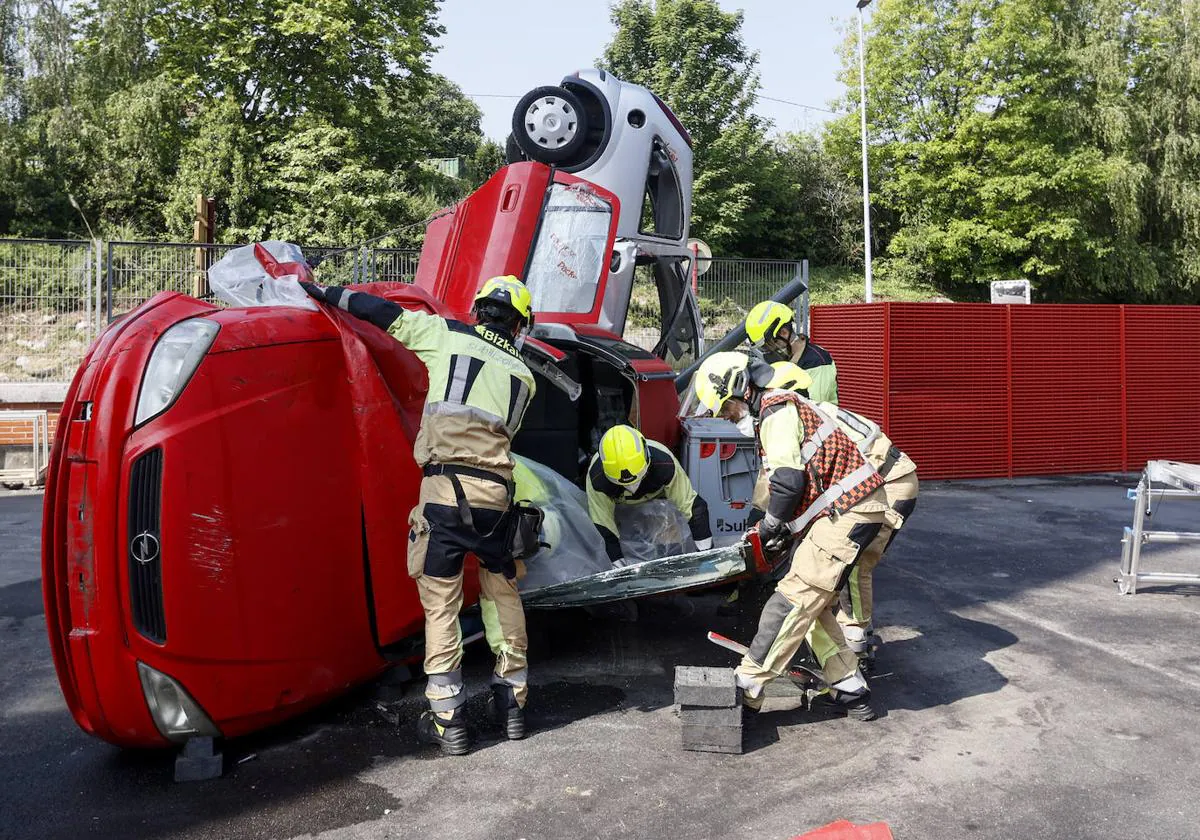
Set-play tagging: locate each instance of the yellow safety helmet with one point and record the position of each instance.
(764, 321)
(624, 455)
(511, 291)
(789, 376)
(725, 375)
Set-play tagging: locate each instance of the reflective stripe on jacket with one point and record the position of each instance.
(871, 441)
(479, 389)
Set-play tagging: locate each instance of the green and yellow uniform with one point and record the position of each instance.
(662, 478)
(479, 389)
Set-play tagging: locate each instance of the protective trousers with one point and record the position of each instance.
(438, 543)
(820, 565)
(857, 597)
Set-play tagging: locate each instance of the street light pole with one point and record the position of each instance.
(862, 110)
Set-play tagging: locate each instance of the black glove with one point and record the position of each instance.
(376, 310)
(774, 534)
(315, 292)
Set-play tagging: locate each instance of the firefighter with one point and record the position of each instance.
(771, 327)
(479, 389)
(900, 485)
(630, 470)
(820, 486)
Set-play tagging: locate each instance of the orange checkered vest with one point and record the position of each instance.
(838, 475)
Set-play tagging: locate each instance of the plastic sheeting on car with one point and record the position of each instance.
(653, 529)
(576, 547)
(649, 530)
(239, 279)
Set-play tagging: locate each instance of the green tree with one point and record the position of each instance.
(802, 205)
(280, 58)
(486, 161)
(1141, 65)
(301, 119)
(691, 54)
(1029, 138)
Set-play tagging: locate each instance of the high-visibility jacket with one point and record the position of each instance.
(819, 365)
(814, 467)
(479, 389)
(886, 457)
(664, 479)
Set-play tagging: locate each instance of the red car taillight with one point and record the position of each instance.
(687, 138)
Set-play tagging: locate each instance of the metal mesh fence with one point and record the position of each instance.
(47, 308)
(730, 288)
(725, 292)
(55, 295)
(136, 271)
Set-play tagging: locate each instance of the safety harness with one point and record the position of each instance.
(848, 488)
(523, 520)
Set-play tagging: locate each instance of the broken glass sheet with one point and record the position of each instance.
(668, 574)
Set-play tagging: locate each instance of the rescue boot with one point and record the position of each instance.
(502, 707)
(448, 733)
(866, 661)
(862, 643)
(850, 697)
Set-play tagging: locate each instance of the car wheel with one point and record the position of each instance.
(512, 152)
(550, 125)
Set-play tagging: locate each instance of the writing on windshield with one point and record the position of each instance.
(570, 254)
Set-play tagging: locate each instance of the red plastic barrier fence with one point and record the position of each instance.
(980, 390)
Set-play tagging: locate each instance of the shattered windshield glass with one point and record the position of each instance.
(669, 574)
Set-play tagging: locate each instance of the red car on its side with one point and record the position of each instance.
(225, 518)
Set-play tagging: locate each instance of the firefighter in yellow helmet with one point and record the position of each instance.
(630, 470)
(479, 389)
(824, 498)
(900, 485)
(771, 327)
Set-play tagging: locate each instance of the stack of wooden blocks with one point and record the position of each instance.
(710, 709)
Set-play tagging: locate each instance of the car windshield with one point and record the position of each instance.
(570, 254)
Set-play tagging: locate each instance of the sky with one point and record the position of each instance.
(497, 51)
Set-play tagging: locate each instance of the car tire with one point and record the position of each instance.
(512, 152)
(550, 125)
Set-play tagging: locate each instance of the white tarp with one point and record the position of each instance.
(239, 279)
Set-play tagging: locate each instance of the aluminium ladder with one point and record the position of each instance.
(1181, 481)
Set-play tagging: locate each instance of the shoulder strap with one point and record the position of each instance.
(867, 430)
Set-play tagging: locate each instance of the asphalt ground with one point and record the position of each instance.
(1025, 698)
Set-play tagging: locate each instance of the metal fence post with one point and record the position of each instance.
(804, 298)
(108, 283)
(89, 270)
(97, 326)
